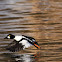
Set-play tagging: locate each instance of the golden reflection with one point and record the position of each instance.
(35, 17)
(39, 5)
(41, 19)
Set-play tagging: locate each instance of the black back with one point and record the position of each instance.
(30, 40)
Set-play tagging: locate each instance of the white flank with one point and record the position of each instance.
(25, 43)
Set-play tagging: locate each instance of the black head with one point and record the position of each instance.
(9, 36)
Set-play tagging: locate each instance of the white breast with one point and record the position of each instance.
(25, 43)
(18, 38)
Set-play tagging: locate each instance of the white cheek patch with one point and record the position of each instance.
(8, 37)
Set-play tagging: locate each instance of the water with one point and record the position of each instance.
(41, 19)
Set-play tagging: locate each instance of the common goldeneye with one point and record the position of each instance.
(20, 42)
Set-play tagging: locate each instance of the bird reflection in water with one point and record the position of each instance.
(22, 57)
(27, 58)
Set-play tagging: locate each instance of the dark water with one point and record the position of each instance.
(41, 19)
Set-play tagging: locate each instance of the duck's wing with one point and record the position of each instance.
(30, 39)
(15, 46)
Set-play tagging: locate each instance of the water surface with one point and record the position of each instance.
(41, 19)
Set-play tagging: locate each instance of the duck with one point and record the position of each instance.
(21, 42)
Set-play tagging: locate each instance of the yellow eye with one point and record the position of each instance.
(9, 35)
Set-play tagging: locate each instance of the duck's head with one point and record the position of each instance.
(10, 36)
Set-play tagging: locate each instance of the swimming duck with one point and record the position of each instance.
(20, 42)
